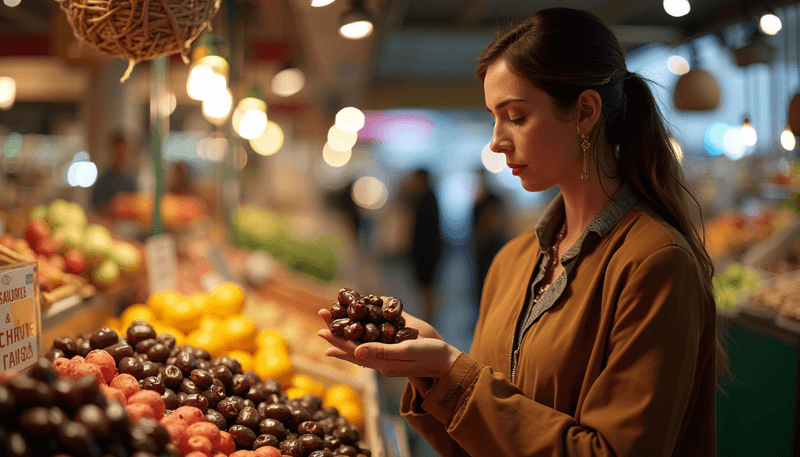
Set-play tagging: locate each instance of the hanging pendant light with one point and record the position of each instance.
(250, 116)
(356, 23)
(748, 133)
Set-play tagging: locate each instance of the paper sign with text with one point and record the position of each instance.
(162, 263)
(20, 318)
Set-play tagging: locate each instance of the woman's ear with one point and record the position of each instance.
(589, 107)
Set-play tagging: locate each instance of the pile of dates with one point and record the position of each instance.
(42, 414)
(368, 318)
(253, 411)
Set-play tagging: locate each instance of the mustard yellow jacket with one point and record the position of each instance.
(621, 364)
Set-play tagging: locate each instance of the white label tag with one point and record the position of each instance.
(20, 325)
(161, 263)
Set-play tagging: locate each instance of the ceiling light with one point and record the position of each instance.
(748, 133)
(217, 107)
(288, 82)
(8, 92)
(788, 141)
(350, 119)
(677, 8)
(270, 141)
(12, 3)
(340, 140)
(250, 116)
(336, 158)
(321, 3)
(770, 24)
(356, 23)
(678, 65)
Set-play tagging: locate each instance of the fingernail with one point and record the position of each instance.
(362, 353)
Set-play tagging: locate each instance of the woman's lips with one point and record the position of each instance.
(516, 169)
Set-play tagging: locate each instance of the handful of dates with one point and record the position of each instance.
(368, 318)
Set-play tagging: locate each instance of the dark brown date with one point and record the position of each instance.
(392, 308)
(153, 383)
(292, 448)
(243, 436)
(347, 296)
(139, 332)
(196, 400)
(216, 418)
(347, 435)
(387, 333)
(103, 338)
(354, 331)
(371, 332)
(373, 300)
(273, 427)
(201, 378)
(399, 323)
(131, 366)
(143, 346)
(172, 377)
(357, 311)
(323, 453)
(311, 427)
(346, 450)
(311, 442)
(337, 327)
(405, 334)
(338, 310)
(248, 417)
(375, 314)
(119, 351)
(68, 345)
(278, 411)
(266, 440)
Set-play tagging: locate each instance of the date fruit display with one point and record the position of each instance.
(369, 318)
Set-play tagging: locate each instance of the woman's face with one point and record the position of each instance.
(540, 146)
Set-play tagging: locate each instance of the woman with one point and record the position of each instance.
(611, 349)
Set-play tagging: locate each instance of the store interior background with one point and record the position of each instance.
(414, 79)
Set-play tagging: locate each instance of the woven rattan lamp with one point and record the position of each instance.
(138, 30)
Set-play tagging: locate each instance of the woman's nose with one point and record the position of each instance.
(499, 143)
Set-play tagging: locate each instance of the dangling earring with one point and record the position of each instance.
(585, 146)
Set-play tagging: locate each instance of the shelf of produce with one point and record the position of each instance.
(75, 315)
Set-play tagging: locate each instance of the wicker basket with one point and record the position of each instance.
(138, 30)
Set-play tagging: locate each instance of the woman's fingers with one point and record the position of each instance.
(326, 316)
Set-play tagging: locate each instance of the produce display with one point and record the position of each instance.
(733, 231)
(733, 283)
(782, 297)
(42, 414)
(59, 234)
(207, 405)
(291, 240)
(788, 261)
(369, 318)
(178, 212)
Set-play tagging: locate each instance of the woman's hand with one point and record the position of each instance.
(427, 357)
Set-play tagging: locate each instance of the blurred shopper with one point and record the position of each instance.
(597, 331)
(426, 244)
(116, 179)
(489, 221)
(181, 182)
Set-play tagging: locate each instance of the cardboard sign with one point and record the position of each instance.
(162, 263)
(20, 317)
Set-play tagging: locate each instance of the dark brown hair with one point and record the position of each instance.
(563, 52)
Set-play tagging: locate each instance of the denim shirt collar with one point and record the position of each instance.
(553, 217)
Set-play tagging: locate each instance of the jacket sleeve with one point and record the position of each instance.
(634, 408)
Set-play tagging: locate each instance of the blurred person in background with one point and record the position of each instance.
(116, 179)
(489, 220)
(597, 330)
(181, 182)
(426, 243)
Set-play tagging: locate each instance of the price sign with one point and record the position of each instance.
(162, 263)
(20, 317)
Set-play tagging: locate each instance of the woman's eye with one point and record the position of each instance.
(517, 121)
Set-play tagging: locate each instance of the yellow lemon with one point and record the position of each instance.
(337, 394)
(226, 299)
(240, 332)
(351, 410)
(209, 323)
(137, 312)
(308, 385)
(271, 340)
(275, 366)
(211, 342)
(162, 300)
(295, 392)
(162, 327)
(199, 301)
(182, 315)
(245, 359)
(114, 324)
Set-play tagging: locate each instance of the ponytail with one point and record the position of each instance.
(649, 162)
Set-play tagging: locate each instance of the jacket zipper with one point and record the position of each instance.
(512, 366)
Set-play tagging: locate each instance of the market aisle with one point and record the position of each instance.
(455, 318)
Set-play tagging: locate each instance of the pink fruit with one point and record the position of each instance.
(74, 262)
(150, 398)
(36, 230)
(126, 383)
(105, 361)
